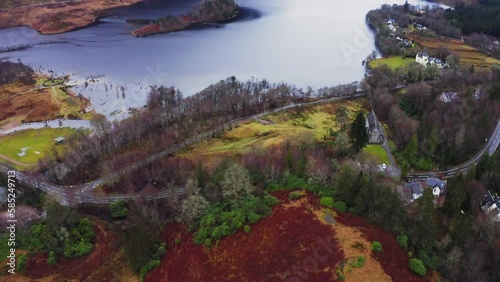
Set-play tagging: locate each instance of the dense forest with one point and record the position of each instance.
(168, 120)
(11, 72)
(427, 131)
(481, 18)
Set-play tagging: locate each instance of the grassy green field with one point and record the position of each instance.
(37, 140)
(377, 154)
(391, 62)
(300, 125)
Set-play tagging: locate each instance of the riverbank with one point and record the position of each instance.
(59, 17)
(27, 103)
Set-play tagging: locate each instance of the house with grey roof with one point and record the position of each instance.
(412, 191)
(425, 60)
(376, 133)
(491, 206)
(438, 186)
(448, 97)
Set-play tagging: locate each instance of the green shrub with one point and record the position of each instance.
(21, 262)
(247, 228)
(208, 242)
(341, 206)
(376, 247)
(222, 220)
(118, 209)
(359, 262)
(327, 202)
(340, 275)
(430, 261)
(410, 254)
(147, 268)
(418, 267)
(295, 195)
(270, 201)
(162, 250)
(52, 258)
(78, 250)
(403, 241)
(177, 241)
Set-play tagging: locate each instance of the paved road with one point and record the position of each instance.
(490, 147)
(83, 193)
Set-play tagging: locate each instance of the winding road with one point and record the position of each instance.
(490, 147)
(78, 194)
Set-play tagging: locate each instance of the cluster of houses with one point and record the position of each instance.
(491, 206)
(391, 24)
(414, 190)
(424, 59)
(452, 97)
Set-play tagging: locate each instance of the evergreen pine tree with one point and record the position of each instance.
(359, 133)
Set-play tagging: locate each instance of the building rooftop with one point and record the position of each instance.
(434, 182)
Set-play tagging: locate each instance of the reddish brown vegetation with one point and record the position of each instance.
(58, 17)
(278, 247)
(393, 259)
(283, 246)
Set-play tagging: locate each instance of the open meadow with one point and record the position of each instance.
(311, 123)
(28, 146)
(392, 62)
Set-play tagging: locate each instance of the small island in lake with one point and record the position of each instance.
(205, 11)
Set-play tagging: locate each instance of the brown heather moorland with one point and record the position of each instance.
(295, 243)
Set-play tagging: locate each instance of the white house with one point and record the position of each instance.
(414, 189)
(438, 186)
(436, 191)
(448, 97)
(422, 58)
(425, 60)
(491, 206)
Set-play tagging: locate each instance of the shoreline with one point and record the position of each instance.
(58, 18)
(188, 26)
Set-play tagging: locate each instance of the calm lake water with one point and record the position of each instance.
(304, 42)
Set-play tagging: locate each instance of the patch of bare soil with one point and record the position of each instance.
(59, 17)
(393, 258)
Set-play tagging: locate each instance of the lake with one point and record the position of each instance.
(303, 42)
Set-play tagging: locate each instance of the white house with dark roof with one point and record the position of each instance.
(422, 58)
(425, 60)
(491, 206)
(448, 97)
(415, 188)
(438, 186)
